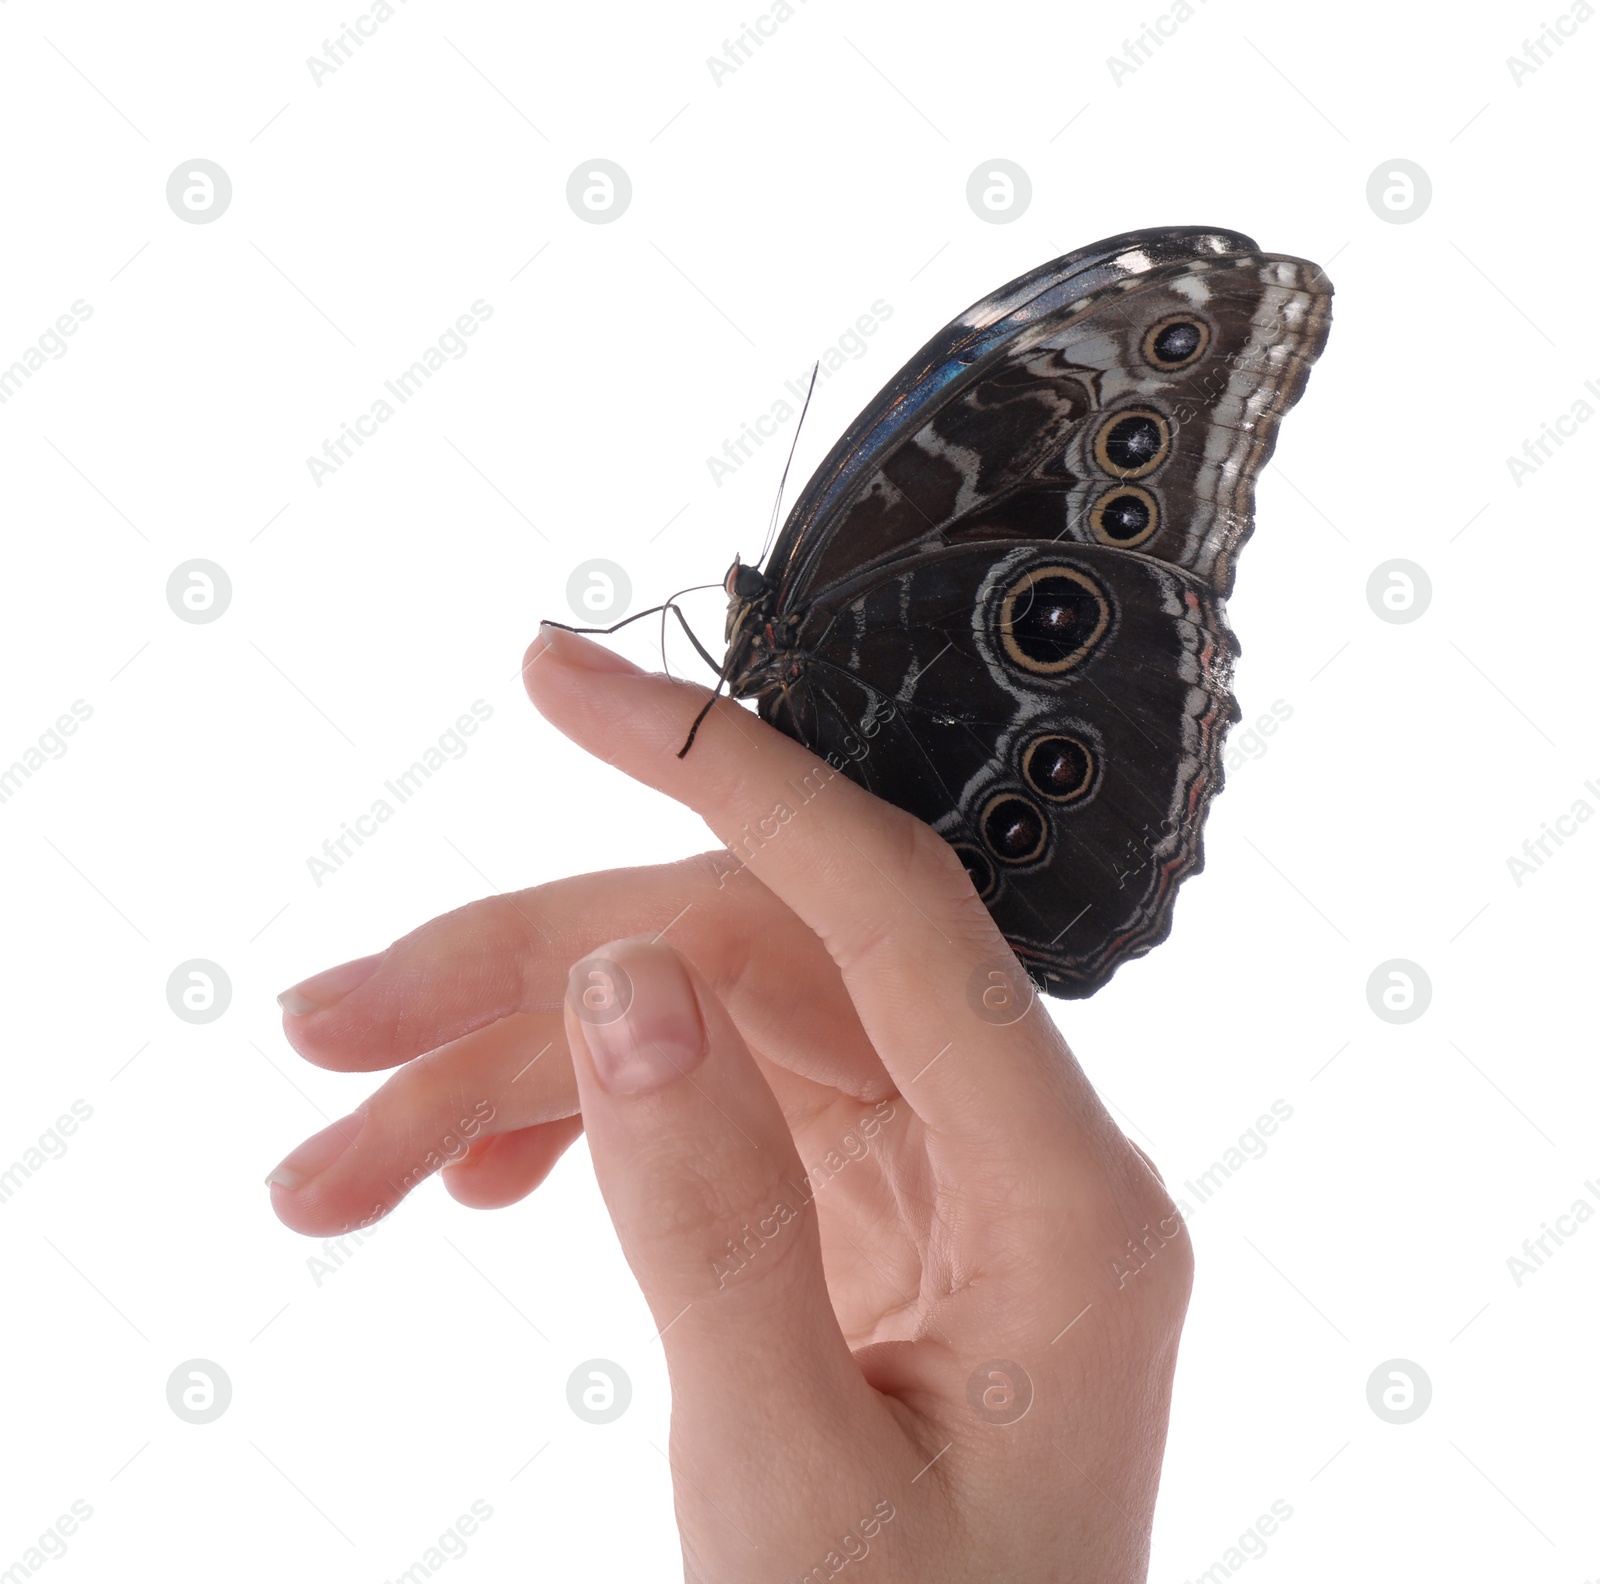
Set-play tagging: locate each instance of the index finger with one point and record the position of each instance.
(888, 897)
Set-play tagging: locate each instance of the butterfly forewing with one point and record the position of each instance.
(950, 359)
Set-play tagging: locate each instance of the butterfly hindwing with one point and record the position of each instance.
(1068, 758)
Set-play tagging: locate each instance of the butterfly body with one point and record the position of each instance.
(1000, 601)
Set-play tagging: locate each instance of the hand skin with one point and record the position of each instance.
(830, 1339)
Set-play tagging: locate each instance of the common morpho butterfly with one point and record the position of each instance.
(999, 602)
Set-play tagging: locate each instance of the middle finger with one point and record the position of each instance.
(511, 1079)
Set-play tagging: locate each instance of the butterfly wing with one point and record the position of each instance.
(1056, 714)
(959, 356)
(1005, 586)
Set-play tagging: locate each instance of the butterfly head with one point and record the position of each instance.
(745, 583)
(750, 630)
(747, 590)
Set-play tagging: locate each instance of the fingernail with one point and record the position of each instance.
(329, 987)
(640, 1018)
(317, 1154)
(572, 649)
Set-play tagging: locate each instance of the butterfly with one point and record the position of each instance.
(1000, 601)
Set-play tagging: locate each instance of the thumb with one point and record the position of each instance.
(708, 1197)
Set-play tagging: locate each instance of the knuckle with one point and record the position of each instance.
(938, 873)
(921, 866)
(706, 871)
(1153, 1270)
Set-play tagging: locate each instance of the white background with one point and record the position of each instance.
(369, 611)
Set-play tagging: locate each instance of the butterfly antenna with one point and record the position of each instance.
(777, 505)
(772, 528)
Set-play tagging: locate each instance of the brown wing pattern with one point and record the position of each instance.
(1001, 600)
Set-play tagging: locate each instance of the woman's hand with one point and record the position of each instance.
(468, 1007)
(920, 1298)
